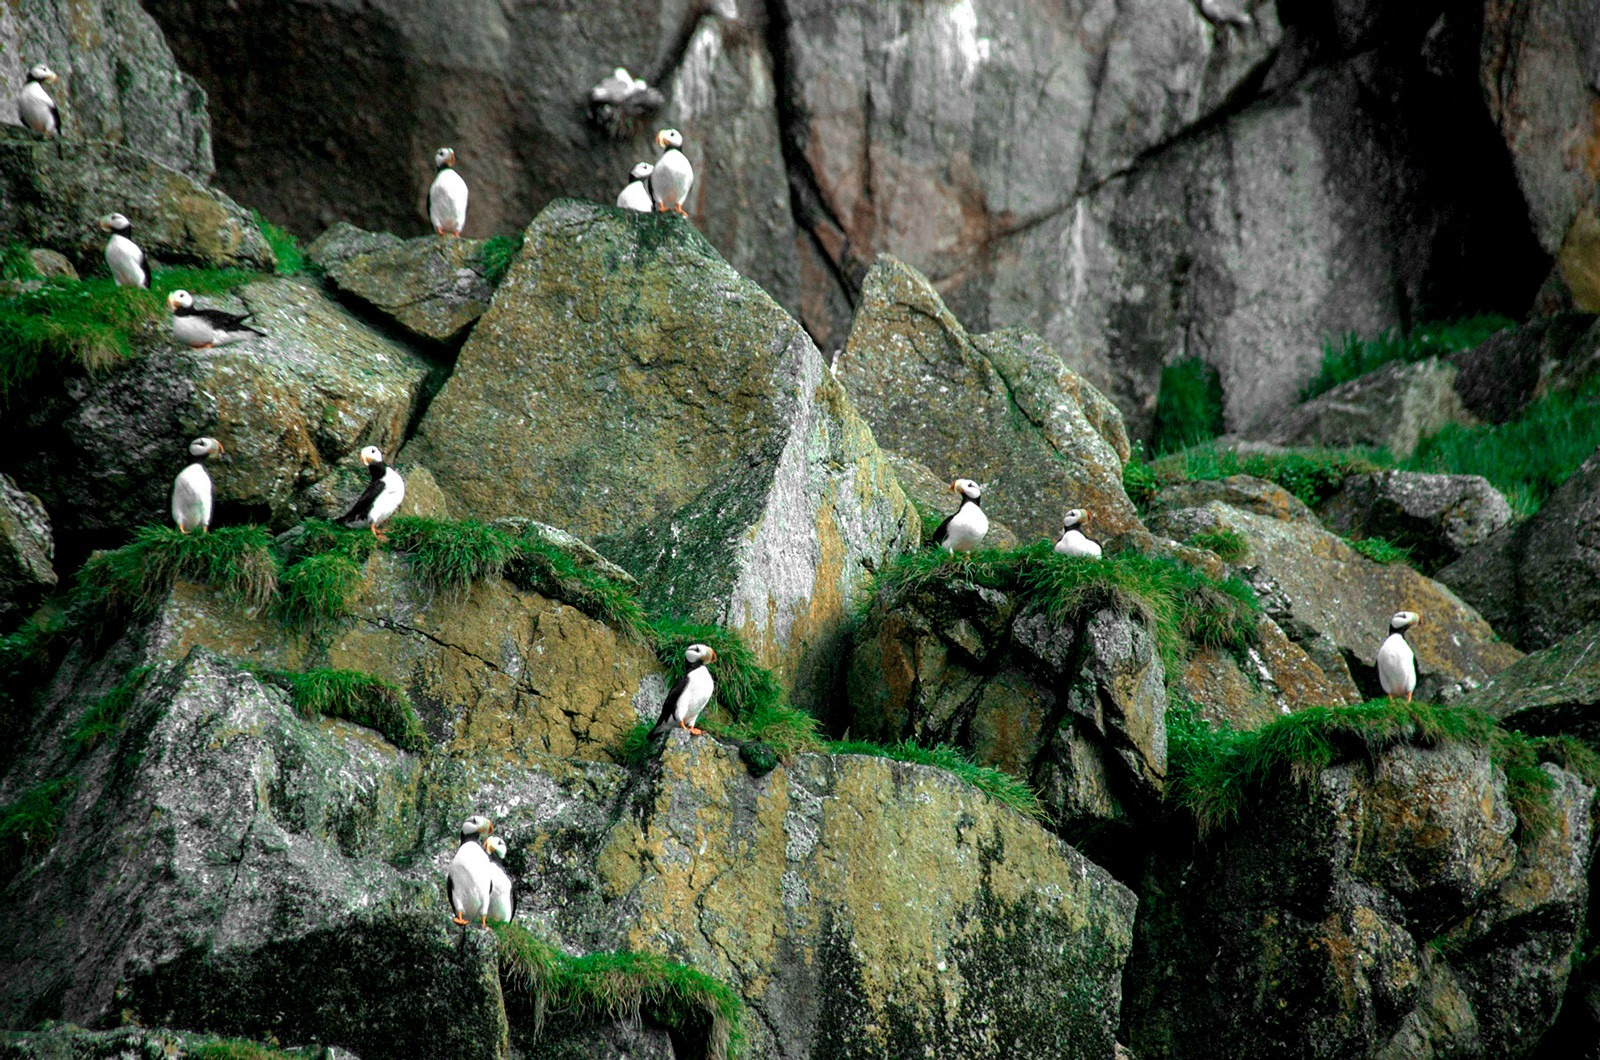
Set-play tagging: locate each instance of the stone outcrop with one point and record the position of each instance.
(432, 286)
(1394, 407)
(26, 549)
(118, 81)
(1539, 581)
(670, 412)
(1003, 408)
(1500, 376)
(52, 193)
(1437, 517)
(1553, 691)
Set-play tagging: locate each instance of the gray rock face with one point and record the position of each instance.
(26, 549)
(1500, 376)
(118, 81)
(1553, 691)
(935, 499)
(1238, 491)
(1395, 406)
(1438, 517)
(53, 192)
(432, 286)
(1539, 581)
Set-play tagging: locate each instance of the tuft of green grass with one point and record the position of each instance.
(109, 713)
(496, 256)
(137, 577)
(30, 825)
(789, 731)
(16, 263)
(995, 783)
(552, 571)
(1229, 545)
(613, 986)
(1351, 356)
(1139, 481)
(237, 1049)
(1188, 405)
(285, 247)
(450, 554)
(355, 697)
(314, 592)
(1380, 550)
(1311, 475)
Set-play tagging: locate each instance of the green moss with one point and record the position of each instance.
(29, 825)
(109, 713)
(137, 577)
(1311, 475)
(1380, 550)
(551, 571)
(315, 591)
(1352, 356)
(612, 986)
(1139, 481)
(448, 554)
(355, 697)
(497, 254)
(1229, 545)
(291, 259)
(237, 1049)
(997, 784)
(1188, 405)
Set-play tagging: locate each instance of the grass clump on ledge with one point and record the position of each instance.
(995, 783)
(1188, 405)
(1380, 550)
(1311, 475)
(355, 697)
(1229, 545)
(137, 577)
(496, 256)
(109, 713)
(285, 247)
(1351, 356)
(30, 824)
(619, 986)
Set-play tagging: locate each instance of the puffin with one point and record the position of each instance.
(964, 529)
(689, 695)
(620, 100)
(123, 255)
(1397, 666)
(638, 195)
(673, 175)
(201, 329)
(447, 199)
(191, 490)
(502, 890)
(385, 490)
(1072, 542)
(34, 104)
(1227, 13)
(468, 879)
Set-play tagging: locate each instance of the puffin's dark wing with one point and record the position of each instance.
(943, 531)
(226, 321)
(669, 705)
(514, 889)
(55, 117)
(450, 892)
(364, 503)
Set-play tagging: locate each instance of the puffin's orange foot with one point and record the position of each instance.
(459, 919)
(182, 531)
(483, 922)
(696, 732)
(1408, 697)
(681, 210)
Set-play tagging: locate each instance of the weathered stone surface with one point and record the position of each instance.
(335, 492)
(1553, 691)
(1315, 586)
(65, 1041)
(1394, 909)
(432, 286)
(1001, 408)
(52, 192)
(102, 450)
(118, 81)
(1239, 491)
(1274, 677)
(927, 490)
(1539, 581)
(1438, 517)
(26, 549)
(1500, 376)
(50, 264)
(674, 415)
(1395, 406)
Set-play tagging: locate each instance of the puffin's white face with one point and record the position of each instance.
(669, 138)
(180, 300)
(1073, 518)
(477, 825)
(371, 455)
(204, 447)
(42, 73)
(444, 158)
(700, 653)
(495, 845)
(621, 74)
(115, 222)
(967, 488)
(1403, 620)
(642, 171)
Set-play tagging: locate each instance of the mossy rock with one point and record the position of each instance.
(434, 287)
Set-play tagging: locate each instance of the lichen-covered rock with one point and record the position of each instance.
(1552, 691)
(1395, 407)
(1001, 408)
(432, 286)
(26, 549)
(1539, 581)
(1239, 491)
(53, 191)
(1500, 376)
(1270, 678)
(1437, 517)
(673, 414)
(118, 80)
(1392, 909)
(102, 450)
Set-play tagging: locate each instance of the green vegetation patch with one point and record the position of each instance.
(1229, 545)
(1188, 405)
(355, 697)
(238, 1049)
(1380, 550)
(620, 986)
(1352, 356)
(16, 263)
(496, 256)
(285, 247)
(551, 571)
(450, 554)
(137, 577)
(30, 825)
(995, 783)
(108, 714)
(745, 688)
(1312, 475)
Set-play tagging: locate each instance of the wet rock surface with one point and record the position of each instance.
(432, 286)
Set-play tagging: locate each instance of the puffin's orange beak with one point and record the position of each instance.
(711, 655)
(954, 488)
(661, 139)
(52, 78)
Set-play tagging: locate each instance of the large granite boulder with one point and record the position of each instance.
(1001, 408)
(1500, 376)
(1437, 517)
(26, 549)
(52, 192)
(102, 450)
(433, 287)
(1394, 407)
(118, 81)
(670, 412)
(1549, 692)
(1539, 581)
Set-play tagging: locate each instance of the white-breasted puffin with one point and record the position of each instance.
(34, 105)
(637, 195)
(447, 199)
(201, 329)
(191, 490)
(673, 176)
(1397, 666)
(385, 490)
(123, 255)
(1073, 542)
(619, 101)
(689, 694)
(502, 888)
(963, 530)
(467, 881)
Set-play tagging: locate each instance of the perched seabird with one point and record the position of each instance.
(1397, 666)
(37, 109)
(385, 490)
(191, 490)
(673, 176)
(619, 101)
(1072, 542)
(637, 195)
(123, 255)
(964, 529)
(502, 889)
(1227, 13)
(467, 881)
(447, 199)
(689, 695)
(200, 329)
